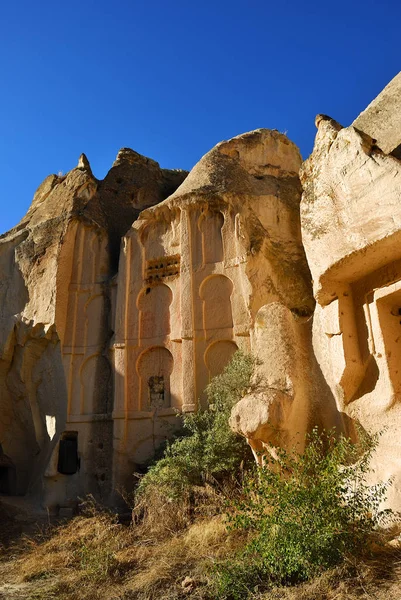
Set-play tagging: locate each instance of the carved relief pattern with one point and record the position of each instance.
(210, 225)
(87, 370)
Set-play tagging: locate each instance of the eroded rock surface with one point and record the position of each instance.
(55, 322)
(219, 265)
(121, 298)
(382, 118)
(351, 225)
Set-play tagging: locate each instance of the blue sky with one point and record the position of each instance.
(171, 79)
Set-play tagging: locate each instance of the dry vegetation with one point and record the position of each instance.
(93, 557)
(179, 544)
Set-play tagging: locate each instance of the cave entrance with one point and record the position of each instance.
(8, 476)
(68, 459)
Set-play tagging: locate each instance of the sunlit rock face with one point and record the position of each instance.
(351, 228)
(217, 266)
(382, 118)
(120, 299)
(56, 270)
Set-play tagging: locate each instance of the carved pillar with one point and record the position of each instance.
(187, 299)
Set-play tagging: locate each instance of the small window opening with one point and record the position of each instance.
(156, 391)
(8, 481)
(8, 475)
(68, 460)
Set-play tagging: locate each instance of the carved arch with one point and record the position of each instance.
(215, 293)
(154, 311)
(154, 367)
(218, 355)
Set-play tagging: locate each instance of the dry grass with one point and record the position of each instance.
(163, 567)
(93, 557)
(160, 518)
(378, 578)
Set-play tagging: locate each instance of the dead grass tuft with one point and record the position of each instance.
(86, 544)
(93, 556)
(163, 566)
(160, 517)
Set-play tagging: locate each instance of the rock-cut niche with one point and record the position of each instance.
(389, 313)
(215, 293)
(154, 368)
(95, 374)
(210, 225)
(154, 306)
(218, 355)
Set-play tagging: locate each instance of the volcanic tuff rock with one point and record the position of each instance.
(219, 265)
(56, 266)
(113, 319)
(382, 118)
(351, 226)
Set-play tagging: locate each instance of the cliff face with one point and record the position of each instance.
(217, 266)
(381, 120)
(33, 294)
(351, 224)
(121, 298)
(55, 320)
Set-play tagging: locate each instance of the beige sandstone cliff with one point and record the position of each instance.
(382, 118)
(114, 320)
(55, 323)
(217, 266)
(351, 230)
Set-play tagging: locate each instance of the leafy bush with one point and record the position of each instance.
(302, 515)
(207, 451)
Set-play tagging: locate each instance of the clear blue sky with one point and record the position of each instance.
(172, 78)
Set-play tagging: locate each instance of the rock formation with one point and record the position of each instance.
(351, 228)
(121, 298)
(217, 266)
(56, 322)
(382, 118)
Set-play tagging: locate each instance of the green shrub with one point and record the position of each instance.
(302, 515)
(207, 450)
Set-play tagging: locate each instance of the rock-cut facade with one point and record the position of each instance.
(120, 299)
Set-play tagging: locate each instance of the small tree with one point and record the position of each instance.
(207, 451)
(303, 514)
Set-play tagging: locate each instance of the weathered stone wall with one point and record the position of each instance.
(113, 320)
(217, 266)
(382, 118)
(351, 224)
(33, 385)
(56, 295)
